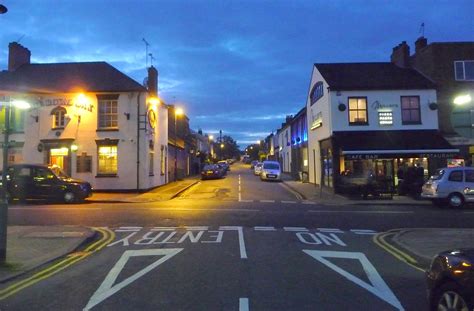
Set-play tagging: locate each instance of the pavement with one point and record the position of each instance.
(29, 247)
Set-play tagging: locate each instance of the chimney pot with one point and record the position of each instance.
(18, 55)
(152, 83)
(401, 55)
(420, 43)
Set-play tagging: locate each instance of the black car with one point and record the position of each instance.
(212, 171)
(41, 182)
(450, 280)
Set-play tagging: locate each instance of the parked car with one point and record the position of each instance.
(42, 182)
(450, 280)
(212, 171)
(452, 186)
(252, 164)
(270, 171)
(258, 168)
(224, 164)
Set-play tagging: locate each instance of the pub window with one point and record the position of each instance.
(162, 160)
(358, 114)
(464, 70)
(411, 110)
(59, 117)
(84, 163)
(108, 111)
(151, 166)
(108, 160)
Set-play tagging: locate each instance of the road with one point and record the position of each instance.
(234, 244)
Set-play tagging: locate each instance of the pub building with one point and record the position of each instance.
(373, 120)
(88, 118)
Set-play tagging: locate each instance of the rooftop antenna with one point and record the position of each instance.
(146, 51)
(422, 29)
(151, 58)
(18, 41)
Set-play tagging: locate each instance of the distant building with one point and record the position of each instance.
(284, 142)
(299, 145)
(179, 145)
(90, 119)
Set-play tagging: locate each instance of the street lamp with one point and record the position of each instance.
(462, 99)
(4, 197)
(177, 112)
(3, 9)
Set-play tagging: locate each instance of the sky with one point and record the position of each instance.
(235, 66)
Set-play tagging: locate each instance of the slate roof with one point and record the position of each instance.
(372, 76)
(68, 77)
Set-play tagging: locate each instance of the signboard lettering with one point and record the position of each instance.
(376, 105)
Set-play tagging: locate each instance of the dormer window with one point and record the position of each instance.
(59, 117)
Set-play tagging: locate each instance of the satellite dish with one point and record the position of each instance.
(3, 9)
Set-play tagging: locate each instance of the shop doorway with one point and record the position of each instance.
(60, 157)
(384, 174)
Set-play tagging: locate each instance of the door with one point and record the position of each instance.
(60, 157)
(21, 186)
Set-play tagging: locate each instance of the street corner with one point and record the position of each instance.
(37, 253)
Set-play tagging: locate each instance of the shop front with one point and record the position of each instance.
(391, 162)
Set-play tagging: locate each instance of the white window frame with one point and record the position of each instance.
(463, 70)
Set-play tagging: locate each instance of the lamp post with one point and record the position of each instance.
(4, 196)
(177, 113)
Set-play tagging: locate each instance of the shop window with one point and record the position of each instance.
(108, 160)
(464, 70)
(162, 160)
(469, 175)
(17, 119)
(455, 176)
(151, 166)
(411, 110)
(108, 111)
(358, 114)
(84, 163)
(59, 117)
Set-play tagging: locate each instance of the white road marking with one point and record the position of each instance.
(243, 251)
(163, 228)
(267, 201)
(240, 191)
(197, 228)
(288, 202)
(107, 288)
(246, 201)
(296, 194)
(308, 202)
(362, 212)
(363, 231)
(243, 304)
(264, 228)
(128, 229)
(333, 230)
(295, 229)
(378, 287)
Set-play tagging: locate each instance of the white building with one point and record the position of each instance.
(284, 143)
(90, 119)
(371, 117)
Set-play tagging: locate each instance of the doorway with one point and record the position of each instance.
(60, 157)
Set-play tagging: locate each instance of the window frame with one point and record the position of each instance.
(456, 171)
(410, 109)
(463, 62)
(112, 99)
(107, 143)
(84, 162)
(349, 111)
(59, 110)
(317, 92)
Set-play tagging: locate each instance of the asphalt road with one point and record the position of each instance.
(234, 244)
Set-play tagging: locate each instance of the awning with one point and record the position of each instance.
(393, 144)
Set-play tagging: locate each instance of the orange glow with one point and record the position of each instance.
(178, 111)
(155, 101)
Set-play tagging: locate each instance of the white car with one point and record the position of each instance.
(258, 168)
(270, 171)
(452, 186)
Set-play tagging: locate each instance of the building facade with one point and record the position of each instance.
(374, 119)
(284, 142)
(299, 146)
(90, 119)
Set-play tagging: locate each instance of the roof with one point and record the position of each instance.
(372, 76)
(407, 141)
(68, 77)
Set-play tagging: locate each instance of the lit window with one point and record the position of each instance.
(411, 110)
(385, 118)
(151, 166)
(108, 111)
(464, 70)
(358, 111)
(107, 160)
(59, 117)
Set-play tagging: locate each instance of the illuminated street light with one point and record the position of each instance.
(211, 137)
(462, 99)
(222, 146)
(155, 101)
(21, 104)
(178, 111)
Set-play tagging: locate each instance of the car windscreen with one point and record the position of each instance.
(271, 166)
(59, 172)
(209, 167)
(437, 175)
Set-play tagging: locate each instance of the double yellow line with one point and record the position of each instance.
(379, 239)
(107, 237)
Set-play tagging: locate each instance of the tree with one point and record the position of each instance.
(226, 148)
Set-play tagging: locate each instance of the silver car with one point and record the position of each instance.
(270, 171)
(258, 168)
(452, 186)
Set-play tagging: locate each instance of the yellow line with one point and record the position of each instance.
(400, 255)
(107, 237)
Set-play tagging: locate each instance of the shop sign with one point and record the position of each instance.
(317, 121)
(399, 155)
(361, 156)
(376, 105)
(47, 102)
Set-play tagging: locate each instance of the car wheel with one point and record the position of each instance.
(69, 197)
(449, 297)
(455, 200)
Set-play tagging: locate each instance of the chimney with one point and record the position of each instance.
(420, 43)
(401, 55)
(18, 55)
(152, 83)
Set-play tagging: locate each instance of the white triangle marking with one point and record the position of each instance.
(107, 288)
(378, 287)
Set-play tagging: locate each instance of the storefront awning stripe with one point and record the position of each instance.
(349, 152)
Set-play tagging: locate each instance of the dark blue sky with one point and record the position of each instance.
(239, 66)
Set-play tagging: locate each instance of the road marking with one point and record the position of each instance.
(296, 194)
(246, 201)
(267, 201)
(378, 287)
(243, 251)
(308, 202)
(264, 229)
(163, 228)
(362, 212)
(288, 202)
(363, 231)
(379, 239)
(243, 304)
(128, 229)
(331, 230)
(295, 229)
(240, 191)
(107, 288)
(197, 228)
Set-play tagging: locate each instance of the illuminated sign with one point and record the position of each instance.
(386, 118)
(317, 121)
(376, 105)
(151, 118)
(80, 102)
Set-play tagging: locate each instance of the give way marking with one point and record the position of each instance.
(378, 287)
(107, 288)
